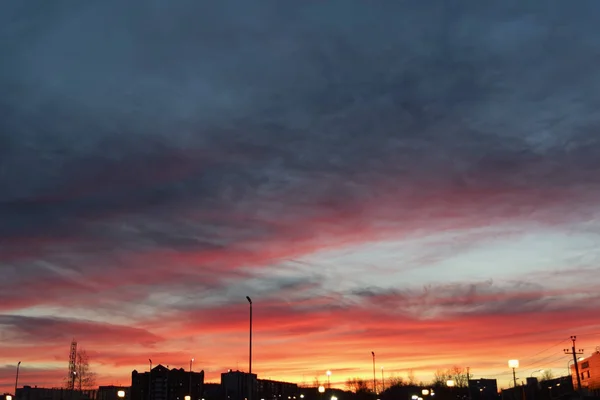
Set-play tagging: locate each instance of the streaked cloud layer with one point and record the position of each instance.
(420, 180)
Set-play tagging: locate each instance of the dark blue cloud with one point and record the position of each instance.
(272, 111)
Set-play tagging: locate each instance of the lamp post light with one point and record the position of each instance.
(17, 378)
(374, 378)
(328, 379)
(425, 392)
(321, 391)
(514, 364)
(121, 394)
(450, 384)
(535, 372)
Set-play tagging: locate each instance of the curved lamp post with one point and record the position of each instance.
(17, 378)
(250, 392)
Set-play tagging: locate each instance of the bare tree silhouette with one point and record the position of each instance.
(547, 375)
(456, 373)
(357, 385)
(84, 379)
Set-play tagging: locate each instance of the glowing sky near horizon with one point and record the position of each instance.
(417, 179)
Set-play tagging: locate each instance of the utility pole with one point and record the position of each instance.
(575, 353)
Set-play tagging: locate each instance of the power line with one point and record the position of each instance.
(533, 361)
(554, 345)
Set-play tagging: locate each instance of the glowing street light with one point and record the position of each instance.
(450, 383)
(328, 379)
(121, 394)
(321, 389)
(425, 392)
(514, 364)
(187, 397)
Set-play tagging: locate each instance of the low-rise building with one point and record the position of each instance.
(589, 373)
(483, 389)
(270, 390)
(238, 385)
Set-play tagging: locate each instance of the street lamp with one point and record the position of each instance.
(569, 365)
(191, 364)
(514, 364)
(450, 383)
(321, 391)
(8, 397)
(374, 378)
(17, 378)
(150, 380)
(328, 379)
(425, 392)
(250, 350)
(121, 394)
(536, 371)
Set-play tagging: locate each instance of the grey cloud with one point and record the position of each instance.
(51, 330)
(483, 298)
(280, 113)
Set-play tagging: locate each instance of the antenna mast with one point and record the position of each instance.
(72, 363)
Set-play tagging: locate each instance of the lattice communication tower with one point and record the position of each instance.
(72, 363)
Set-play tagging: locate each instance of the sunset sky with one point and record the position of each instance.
(417, 179)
